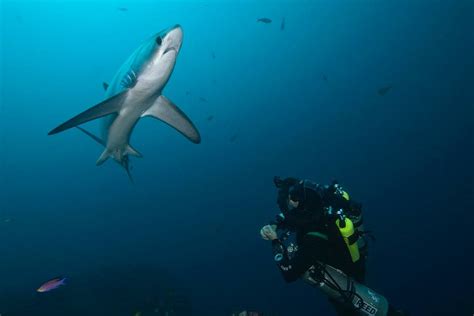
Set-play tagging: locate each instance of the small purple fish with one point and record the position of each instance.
(51, 284)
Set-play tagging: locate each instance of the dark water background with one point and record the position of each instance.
(303, 101)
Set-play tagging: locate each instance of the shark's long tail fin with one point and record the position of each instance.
(125, 162)
(126, 165)
(105, 154)
(129, 174)
(97, 139)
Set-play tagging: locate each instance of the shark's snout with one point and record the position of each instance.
(173, 38)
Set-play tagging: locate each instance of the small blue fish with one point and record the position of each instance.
(383, 91)
(264, 20)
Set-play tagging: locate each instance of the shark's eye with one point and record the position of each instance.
(159, 40)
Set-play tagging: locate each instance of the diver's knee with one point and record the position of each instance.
(395, 312)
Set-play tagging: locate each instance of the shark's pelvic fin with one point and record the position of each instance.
(107, 153)
(132, 151)
(109, 106)
(103, 157)
(97, 139)
(166, 111)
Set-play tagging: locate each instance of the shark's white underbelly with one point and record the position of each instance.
(122, 126)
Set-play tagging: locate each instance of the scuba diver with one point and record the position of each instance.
(330, 249)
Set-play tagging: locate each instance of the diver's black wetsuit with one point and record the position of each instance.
(311, 226)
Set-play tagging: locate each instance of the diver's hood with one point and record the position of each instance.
(308, 194)
(284, 183)
(284, 186)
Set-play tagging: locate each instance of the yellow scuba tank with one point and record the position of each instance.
(346, 228)
(345, 195)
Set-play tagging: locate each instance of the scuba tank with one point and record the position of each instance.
(349, 222)
(336, 284)
(346, 228)
(339, 287)
(347, 231)
(355, 215)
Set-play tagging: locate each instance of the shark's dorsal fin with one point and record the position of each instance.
(109, 106)
(105, 85)
(166, 111)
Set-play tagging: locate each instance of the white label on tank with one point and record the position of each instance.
(364, 307)
(373, 296)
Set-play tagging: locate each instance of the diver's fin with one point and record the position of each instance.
(166, 111)
(104, 108)
(132, 151)
(97, 139)
(103, 157)
(105, 85)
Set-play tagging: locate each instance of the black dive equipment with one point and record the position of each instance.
(335, 283)
(342, 288)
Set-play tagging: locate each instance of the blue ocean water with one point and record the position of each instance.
(303, 101)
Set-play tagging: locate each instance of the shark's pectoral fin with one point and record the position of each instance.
(109, 106)
(166, 111)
